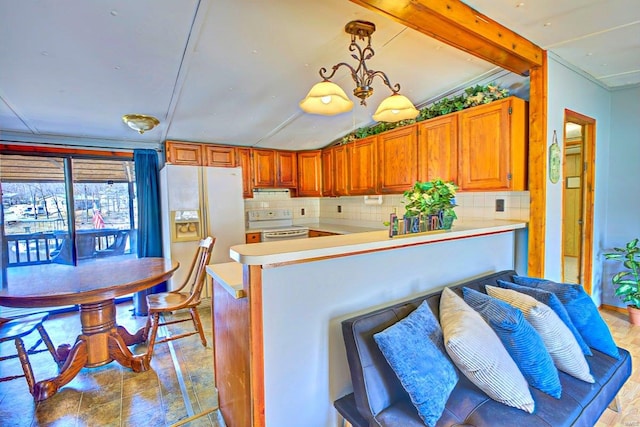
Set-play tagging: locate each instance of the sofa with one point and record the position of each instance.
(379, 399)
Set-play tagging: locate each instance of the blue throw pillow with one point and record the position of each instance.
(414, 348)
(522, 341)
(551, 300)
(582, 311)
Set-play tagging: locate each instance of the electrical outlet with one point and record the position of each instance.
(339, 209)
(499, 205)
(301, 211)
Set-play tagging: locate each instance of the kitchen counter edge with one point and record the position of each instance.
(306, 250)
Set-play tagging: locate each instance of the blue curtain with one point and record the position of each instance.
(149, 227)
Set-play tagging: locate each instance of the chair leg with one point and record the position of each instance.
(49, 344)
(154, 319)
(26, 366)
(198, 324)
(147, 326)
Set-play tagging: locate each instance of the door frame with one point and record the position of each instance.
(588, 185)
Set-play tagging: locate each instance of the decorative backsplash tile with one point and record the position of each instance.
(353, 210)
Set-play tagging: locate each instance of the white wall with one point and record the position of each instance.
(568, 89)
(622, 204)
(305, 364)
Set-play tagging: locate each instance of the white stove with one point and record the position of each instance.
(275, 225)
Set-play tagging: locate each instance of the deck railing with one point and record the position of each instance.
(44, 247)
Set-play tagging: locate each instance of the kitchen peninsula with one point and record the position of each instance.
(278, 348)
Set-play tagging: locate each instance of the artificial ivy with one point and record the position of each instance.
(471, 97)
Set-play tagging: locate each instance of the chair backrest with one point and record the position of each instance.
(197, 273)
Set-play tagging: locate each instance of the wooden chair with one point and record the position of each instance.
(17, 328)
(166, 302)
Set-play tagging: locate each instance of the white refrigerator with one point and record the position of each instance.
(198, 202)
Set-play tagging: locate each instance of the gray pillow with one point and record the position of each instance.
(479, 354)
(560, 342)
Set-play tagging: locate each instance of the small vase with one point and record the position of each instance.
(447, 221)
(415, 224)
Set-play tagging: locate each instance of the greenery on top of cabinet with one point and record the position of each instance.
(472, 96)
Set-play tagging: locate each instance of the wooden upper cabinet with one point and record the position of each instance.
(438, 149)
(244, 161)
(340, 171)
(327, 172)
(286, 169)
(264, 168)
(273, 168)
(493, 146)
(310, 173)
(220, 156)
(362, 165)
(183, 153)
(397, 156)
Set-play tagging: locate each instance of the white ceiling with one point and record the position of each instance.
(233, 71)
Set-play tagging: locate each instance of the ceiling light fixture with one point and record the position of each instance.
(327, 98)
(140, 122)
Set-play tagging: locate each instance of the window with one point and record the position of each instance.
(65, 209)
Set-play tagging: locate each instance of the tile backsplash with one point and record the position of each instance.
(352, 210)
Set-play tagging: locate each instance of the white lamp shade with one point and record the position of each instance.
(395, 108)
(327, 99)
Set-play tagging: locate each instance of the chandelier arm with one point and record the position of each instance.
(335, 68)
(394, 88)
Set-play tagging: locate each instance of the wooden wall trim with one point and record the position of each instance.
(456, 24)
(252, 280)
(537, 169)
(80, 152)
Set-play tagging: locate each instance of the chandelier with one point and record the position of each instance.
(328, 99)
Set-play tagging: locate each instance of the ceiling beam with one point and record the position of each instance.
(456, 24)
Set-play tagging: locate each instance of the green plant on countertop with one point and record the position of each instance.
(627, 281)
(472, 96)
(430, 198)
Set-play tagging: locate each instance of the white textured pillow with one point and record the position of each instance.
(479, 354)
(560, 342)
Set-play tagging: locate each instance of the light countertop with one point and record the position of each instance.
(304, 250)
(229, 276)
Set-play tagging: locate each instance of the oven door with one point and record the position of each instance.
(276, 235)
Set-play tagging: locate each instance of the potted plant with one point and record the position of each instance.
(627, 281)
(432, 198)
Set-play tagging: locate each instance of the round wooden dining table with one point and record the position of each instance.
(93, 285)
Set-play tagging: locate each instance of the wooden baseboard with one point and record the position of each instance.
(613, 308)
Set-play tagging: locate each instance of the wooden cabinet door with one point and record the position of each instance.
(438, 149)
(184, 153)
(244, 161)
(253, 237)
(286, 169)
(310, 173)
(327, 172)
(398, 164)
(340, 171)
(264, 168)
(492, 146)
(220, 156)
(363, 165)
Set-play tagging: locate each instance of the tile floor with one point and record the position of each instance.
(114, 396)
